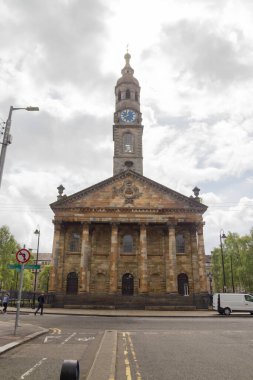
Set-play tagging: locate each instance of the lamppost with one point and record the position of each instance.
(7, 139)
(210, 277)
(36, 232)
(232, 273)
(223, 236)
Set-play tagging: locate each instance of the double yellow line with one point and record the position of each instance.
(129, 351)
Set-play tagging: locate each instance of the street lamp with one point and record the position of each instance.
(223, 236)
(232, 272)
(36, 232)
(210, 277)
(7, 139)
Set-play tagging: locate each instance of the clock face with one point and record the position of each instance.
(128, 116)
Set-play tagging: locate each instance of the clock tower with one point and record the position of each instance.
(127, 128)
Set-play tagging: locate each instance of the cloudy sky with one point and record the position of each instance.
(194, 62)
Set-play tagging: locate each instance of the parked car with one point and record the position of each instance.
(226, 303)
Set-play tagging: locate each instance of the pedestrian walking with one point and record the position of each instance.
(41, 301)
(5, 302)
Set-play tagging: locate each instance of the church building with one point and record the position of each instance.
(128, 236)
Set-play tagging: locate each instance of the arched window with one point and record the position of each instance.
(136, 96)
(128, 244)
(182, 283)
(127, 94)
(72, 283)
(128, 284)
(128, 143)
(180, 245)
(119, 95)
(75, 242)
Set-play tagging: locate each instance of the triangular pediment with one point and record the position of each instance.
(128, 190)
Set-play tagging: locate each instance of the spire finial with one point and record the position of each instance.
(127, 56)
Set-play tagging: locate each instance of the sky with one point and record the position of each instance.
(194, 63)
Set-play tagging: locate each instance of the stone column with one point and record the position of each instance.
(53, 283)
(113, 287)
(143, 264)
(171, 260)
(85, 250)
(202, 259)
(195, 259)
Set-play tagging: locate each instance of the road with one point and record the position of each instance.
(141, 348)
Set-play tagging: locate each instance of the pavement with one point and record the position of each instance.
(27, 331)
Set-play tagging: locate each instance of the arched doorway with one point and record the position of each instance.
(128, 284)
(182, 283)
(72, 283)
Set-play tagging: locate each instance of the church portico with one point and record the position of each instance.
(105, 252)
(128, 236)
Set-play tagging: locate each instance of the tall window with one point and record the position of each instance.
(127, 94)
(75, 242)
(180, 244)
(136, 96)
(128, 142)
(128, 244)
(119, 95)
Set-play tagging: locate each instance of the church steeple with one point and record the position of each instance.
(127, 69)
(127, 128)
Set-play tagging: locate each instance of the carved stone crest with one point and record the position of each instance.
(128, 190)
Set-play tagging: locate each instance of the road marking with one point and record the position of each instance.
(68, 338)
(86, 339)
(50, 337)
(137, 368)
(127, 341)
(27, 373)
(126, 360)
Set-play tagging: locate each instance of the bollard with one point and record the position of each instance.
(70, 370)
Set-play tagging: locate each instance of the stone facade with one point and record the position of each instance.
(128, 235)
(129, 224)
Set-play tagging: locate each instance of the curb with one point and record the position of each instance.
(126, 314)
(11, 345)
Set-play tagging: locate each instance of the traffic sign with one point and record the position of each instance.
(27, 266)
(23, 255)
(14, 266)
(32, 266)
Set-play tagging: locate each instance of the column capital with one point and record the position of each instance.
(56, 222)
(85, 226)
(114, 225)
(199, 227)
(58, 225)
(171, 223)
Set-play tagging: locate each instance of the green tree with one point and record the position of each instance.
(8, 249)
(9, 278)
(44, 278)
(238, 263)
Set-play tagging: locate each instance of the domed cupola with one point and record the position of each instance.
(127, 72)
(127, 91)
(127, 129)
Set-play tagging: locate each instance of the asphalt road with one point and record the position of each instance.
(139, 348)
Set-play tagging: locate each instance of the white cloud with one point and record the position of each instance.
(193, 60)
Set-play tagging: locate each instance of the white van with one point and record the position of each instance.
(226, 303)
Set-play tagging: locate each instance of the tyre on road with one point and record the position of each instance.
(70, 370)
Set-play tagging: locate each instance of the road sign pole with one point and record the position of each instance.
(19, 297)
